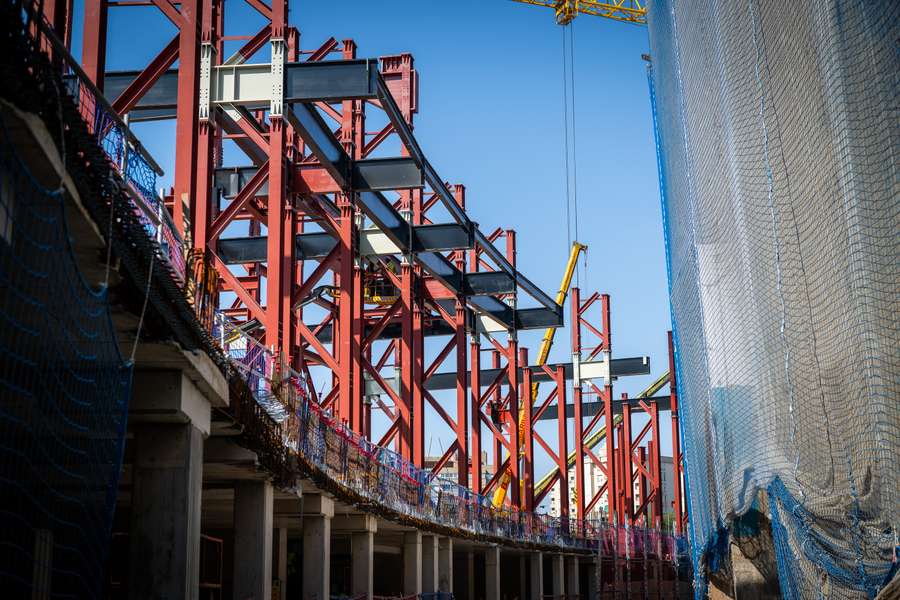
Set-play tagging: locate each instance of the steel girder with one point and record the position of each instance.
(307, 172)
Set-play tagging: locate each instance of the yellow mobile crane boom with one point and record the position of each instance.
(627, 11)
(543, 353)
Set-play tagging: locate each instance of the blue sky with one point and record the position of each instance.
(491, 117)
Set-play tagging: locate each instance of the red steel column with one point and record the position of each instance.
(462, 413)
(59, 14)
(513, 379)
(526, 433)
(206, 136)
(563, 450)
(512, 374)
(345, 303)
(475, 398)
(93, 45)
(404, 433)
(351, 390)
(676, 439)
(655, 460)
(279, 252)
(579, 415)
(187, 119)
(612, 487)
(627, 465)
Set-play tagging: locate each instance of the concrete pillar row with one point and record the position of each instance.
(253, 503)
(592, 578)
(558, 573)
(164, 544)
(281, 544)
(412, 563)
(318, 511)
(492, 573)
(445, 565)
(536, 575)
(470, 575)
(429, 564)
(523, 577)
(572, 577)
(362, 558)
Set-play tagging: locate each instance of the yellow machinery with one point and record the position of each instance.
(543, 353)
(627, 11)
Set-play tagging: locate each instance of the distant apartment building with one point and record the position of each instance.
(451, 468)
(594, 480)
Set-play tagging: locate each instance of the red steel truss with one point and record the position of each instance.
(344, 259)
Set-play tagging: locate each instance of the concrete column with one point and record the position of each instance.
(164, 545)
(281, 540)
(445, 565)
(470, 570)
(412, 563)
(558, 573)
(492, 573)
(317, 514)
(523, 577)
(592, 578)
(253, 540)
(536, 575)
(429, 563)
(572, 577)
(362, 558)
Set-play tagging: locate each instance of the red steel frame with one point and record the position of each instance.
(603, 346)
(270, 290)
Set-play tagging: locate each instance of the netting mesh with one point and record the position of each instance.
(63, 399)
(779, 135)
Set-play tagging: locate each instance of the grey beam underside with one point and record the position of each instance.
(619, 367)
(589, 409)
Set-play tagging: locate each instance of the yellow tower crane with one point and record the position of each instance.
(627, 11)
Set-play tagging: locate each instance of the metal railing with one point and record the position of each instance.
(134, 164)
(384, 478)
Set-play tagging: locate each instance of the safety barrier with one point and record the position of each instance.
(386, 479)
(124, 151)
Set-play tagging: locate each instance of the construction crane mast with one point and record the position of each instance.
(627, 11)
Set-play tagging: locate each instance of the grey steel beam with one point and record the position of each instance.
(436, 327)
(489, 282)
(315, 245)
(589, 409)
(382, 174)
(322, 142)
(331, 80)
(240, 250)
(620, 367)
(158, 102)
(372, 174)
(444, 236)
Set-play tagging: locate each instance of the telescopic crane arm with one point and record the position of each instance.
(544, 351)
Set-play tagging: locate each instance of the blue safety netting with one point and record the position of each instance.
(64, 392)
(778, 129)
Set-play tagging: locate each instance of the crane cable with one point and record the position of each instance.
(571, 154)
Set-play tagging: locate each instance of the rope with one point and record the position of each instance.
(137, 335)
(571, 29)
(571, 151)
(566, 129)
